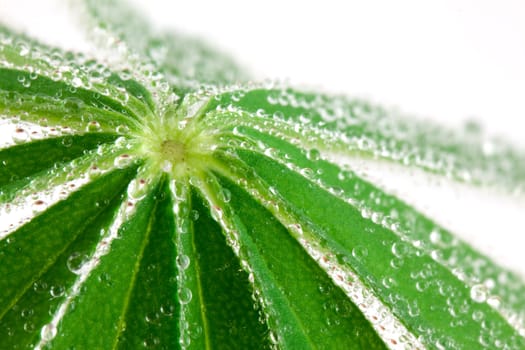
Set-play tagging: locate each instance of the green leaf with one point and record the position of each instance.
(18, 163)
(118, 272)
(356, 128)
(186, 62)
(145, 203)
(305, 309)
(32, 72)
(222, 312)
(408, 278)
(39, 261)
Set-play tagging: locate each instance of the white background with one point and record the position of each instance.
(447, 60)
(450, 60)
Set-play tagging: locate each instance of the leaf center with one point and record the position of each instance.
(174, 151)
(178, 143)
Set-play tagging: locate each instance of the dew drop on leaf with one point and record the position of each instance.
(400, 249)
(494, 301)
(194, 215)
(307, 172)
(137, 189)
(48, 332)
(226, 195)
(183, 261)
(478, 293)
(93, 126)
(184, 295)
(67, 141)
(26, 313)
(477, 315)
(152, 317)
(20, 135)
(29, 327)
(151, 342)
(435, 237)
(40, 286)
(38, 205)
(359, 252)
(122, 129)
(75, 262)
(388, 282)
(122, 161)
(167, 309)
(313, 154)
(56, 291)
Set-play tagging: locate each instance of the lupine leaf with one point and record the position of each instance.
(34, 258)
(185, 62)
(149, 200)
(300, 297)
(227, 304)
(18, 162)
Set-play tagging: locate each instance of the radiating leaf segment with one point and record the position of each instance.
(169, 207)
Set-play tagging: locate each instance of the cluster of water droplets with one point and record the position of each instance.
(185, 62)
(83, 264)
(487, 282)
(42, 192)
(181, 209)
(218, 199)
(77, 70)
(381, 317)
(15, 132)
(348, 125)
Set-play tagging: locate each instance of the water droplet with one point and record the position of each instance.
(40, 286)
(137, 189)
(23, 49)
(57, 291)
(435, 237)
(313, 154)
(167, 309)
(76, 82)
(184, 295)
(494, 301)
(20, 135)
(185, 340)
(122, 161)
(307, 172)
(27, 313)
(477, 315)
(122, 129)
(359, 252)
(48, 332)
(400, 249)
(104, 278)
(151, 342)
(226, 195)
(29, 327)
(152, 317)
(67, 141)
(422, 285)
(388, 282)
(37, 206)
(76, 261)
(478, 293)
(183, 261)
(93, 126)
(196, 331)
(194, 215)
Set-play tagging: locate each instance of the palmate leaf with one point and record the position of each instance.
(156, 201)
